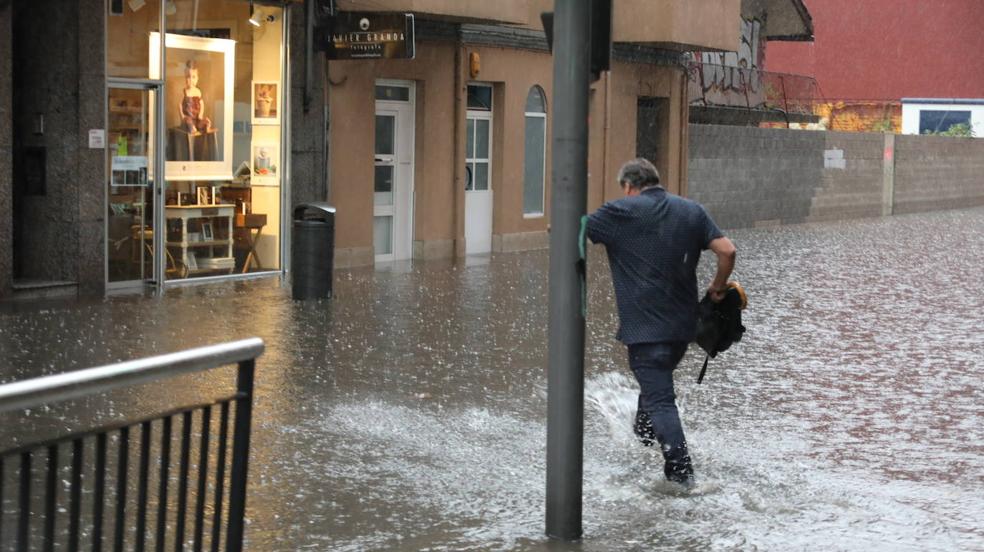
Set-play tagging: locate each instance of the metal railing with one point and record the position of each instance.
(102, 513)
(713, 85)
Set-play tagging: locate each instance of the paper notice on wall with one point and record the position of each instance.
(129, 170)
(834, 159)
(97, 138)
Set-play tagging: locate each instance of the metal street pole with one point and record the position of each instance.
(565, 375)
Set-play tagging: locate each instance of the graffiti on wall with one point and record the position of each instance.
(730, 78)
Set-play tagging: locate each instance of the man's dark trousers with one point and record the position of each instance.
(653, 365)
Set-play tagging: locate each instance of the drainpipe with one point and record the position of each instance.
(326, 129)
(458, 158)
(608, 128)
(684, 147)
(308, 52)
(565, 333)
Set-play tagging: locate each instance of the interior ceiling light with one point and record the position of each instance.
(259, 16)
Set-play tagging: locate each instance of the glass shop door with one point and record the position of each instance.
(132, 240)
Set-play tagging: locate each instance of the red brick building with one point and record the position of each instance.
(868, 56)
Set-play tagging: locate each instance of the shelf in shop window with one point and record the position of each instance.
(204, 270)
(198, 243)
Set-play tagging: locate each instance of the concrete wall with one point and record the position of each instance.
(851, 182)
(352, 104)
(749, 176)
(753, 177)
(60, 76)
(90, 172)
(6, 153)
(938, 172)
(307, 127)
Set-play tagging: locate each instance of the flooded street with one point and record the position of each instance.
(408, 413)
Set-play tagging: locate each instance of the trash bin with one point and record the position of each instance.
(313, 252)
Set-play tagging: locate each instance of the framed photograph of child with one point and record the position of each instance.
(207, 235)
(266, 103)
(265, 164)
(198, 104)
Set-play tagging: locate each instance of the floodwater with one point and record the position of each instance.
(408, 413)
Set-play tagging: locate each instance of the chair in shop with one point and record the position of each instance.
(141, 236)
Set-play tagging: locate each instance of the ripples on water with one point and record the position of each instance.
(408, 412)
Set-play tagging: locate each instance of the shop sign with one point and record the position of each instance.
(352, 35)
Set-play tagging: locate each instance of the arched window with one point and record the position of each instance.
(535, 160)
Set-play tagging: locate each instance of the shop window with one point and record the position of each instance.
(223, 122)
(535, 152)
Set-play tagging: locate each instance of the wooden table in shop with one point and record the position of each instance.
(214, 250)
(245, 224)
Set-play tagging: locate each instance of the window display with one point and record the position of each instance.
(209, 113)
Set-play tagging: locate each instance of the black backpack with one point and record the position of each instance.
(719, 324)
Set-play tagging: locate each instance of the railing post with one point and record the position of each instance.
(240, 456)
(24, 503)
(45, 519)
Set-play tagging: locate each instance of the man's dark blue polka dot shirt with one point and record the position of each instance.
(654, 241)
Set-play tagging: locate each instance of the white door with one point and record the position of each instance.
(392, 222)
(478, 182)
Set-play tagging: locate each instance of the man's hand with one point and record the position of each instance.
(717, 294)
(725, 251)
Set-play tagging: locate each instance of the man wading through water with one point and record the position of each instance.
(654, 240)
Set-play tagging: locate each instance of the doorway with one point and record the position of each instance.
(392, 213)
(132, 241)
(478, 170)
(652, 132)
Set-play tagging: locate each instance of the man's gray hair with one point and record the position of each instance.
(638, 173)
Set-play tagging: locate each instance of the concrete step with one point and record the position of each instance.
(27, 290)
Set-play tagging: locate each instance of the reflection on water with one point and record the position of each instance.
(408, 412)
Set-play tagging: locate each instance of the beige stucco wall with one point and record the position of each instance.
(352, 108)
(682, 24)
(439, 167)
(628, 83)
(514, 72)
(500, 11)
(677, 24)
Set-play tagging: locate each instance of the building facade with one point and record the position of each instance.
(477, 114)
(869, 56)
(135, 157)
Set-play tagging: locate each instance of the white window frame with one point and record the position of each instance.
(476, 115)
(913, 107)
(543, 177)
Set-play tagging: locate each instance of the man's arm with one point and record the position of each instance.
(726, 252)
(603, 224)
